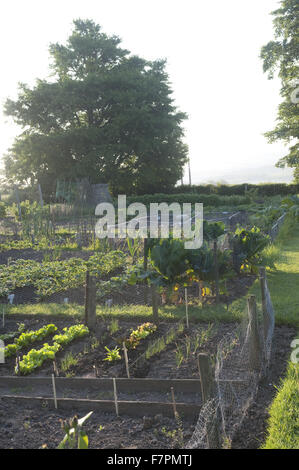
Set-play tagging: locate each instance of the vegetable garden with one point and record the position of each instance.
(158, 305)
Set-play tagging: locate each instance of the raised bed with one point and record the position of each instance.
(38, 391)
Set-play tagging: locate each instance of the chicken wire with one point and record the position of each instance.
(237, 374)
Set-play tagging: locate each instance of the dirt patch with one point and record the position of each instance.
(33, 428)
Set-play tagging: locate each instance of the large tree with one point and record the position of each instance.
(282, 55)
(105, 114)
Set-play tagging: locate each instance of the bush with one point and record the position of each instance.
(212, 200)
(270, 189)
(284, 414)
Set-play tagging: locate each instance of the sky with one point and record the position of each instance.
(212, 51)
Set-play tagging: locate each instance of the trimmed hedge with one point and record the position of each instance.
(269, 189)
(213, 200)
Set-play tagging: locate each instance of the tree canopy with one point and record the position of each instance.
(105, 114)
(282, 55)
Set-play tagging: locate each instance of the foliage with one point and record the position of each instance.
(27, 338)
(169, 258)
(68, 361)
(114, 326)
(203, 264)
(266, 189)
(141, 333)
(71, 333)
(105, 115)
(3, 209)
(282, 55)
(56, 276)
(75, 437)
(266, 217)
(207, 199)
(112, 354)
(247, 247)
(284, 414)
(35, 358)
(213, 230)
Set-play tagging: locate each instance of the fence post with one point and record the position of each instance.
(208, 390)
(216, 271)
(262, 273)
(254, 339)
(207, 381)
(90, 301)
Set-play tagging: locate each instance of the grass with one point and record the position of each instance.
(283, 430)
(68, 361)
(128, 312)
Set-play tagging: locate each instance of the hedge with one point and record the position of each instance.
(267, 189)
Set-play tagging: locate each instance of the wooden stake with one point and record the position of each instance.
(55, 368)
(216, 271)
(126, 359)
(208, 389)
(266, 322)
(173, 402)
(54, 391)
(115, 396)
(3, 318)
(254, 339)
(186, 301)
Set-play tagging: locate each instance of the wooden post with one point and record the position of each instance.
(115, 396)
(254, 339)
(207, 381)
(40, 195)
(90, 301)
(126, 359)
(208, 390)
(262, 272)
(216, 271)
(154, 304)
(54, 391)
(173, 402)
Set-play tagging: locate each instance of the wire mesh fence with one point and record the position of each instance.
(242, 360)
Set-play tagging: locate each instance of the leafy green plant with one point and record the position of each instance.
(114, 326)
(71, 333)
(75, 437)
(247, 248)
(28, 338)
(140, 333)
(35, 358)
(112, 354)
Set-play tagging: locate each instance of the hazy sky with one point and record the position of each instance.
(212, 49)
